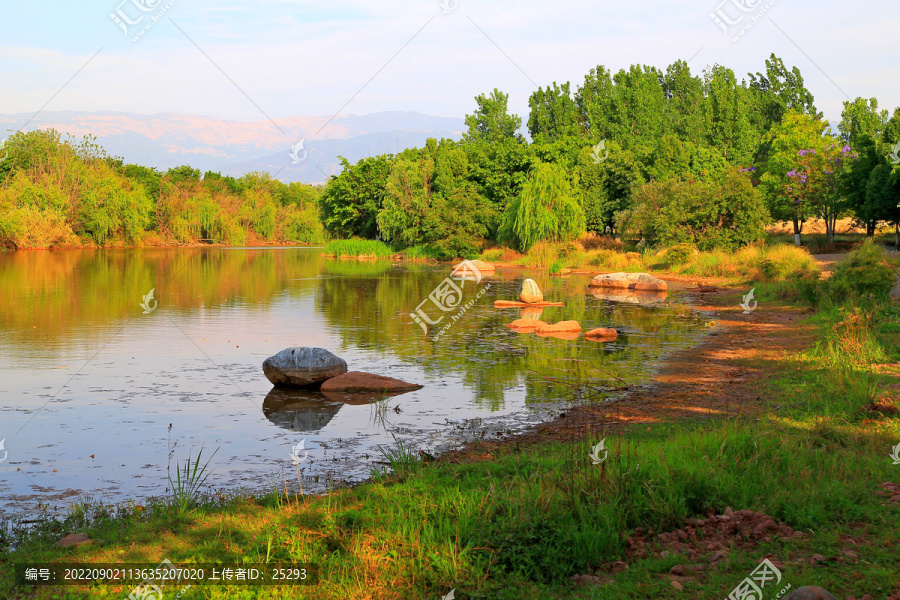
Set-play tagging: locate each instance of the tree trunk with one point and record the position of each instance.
(870, 228)
(796, 231)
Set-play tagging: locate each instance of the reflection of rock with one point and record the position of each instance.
(631, 296)
(606, 334)
(631, 281)
(356, 381)
(525, 325)
(532, 313)
(557, 328)
(299, 409)
(530, 292)
(560, 335)
(301, 366)
(517, 304)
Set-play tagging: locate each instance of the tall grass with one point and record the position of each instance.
(189, 478)
(356, 248)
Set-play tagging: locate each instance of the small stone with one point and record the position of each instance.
(619, 566)
(818, 558)
(728, 512)
(677, 570)
(74, 540)
(765, 527)
(810, 592)
(585, 580)
(677, 585)
(720, 555)
(602, 333)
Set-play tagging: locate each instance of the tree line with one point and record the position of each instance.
(666, 156)
(662, 157)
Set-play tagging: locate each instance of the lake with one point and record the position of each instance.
(103, 390)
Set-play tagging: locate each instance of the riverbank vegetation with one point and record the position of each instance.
(520, 520)
(61, 193)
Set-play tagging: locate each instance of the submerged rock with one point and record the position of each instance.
(564, 330)
(358, 382)
(602, 333)
(631, 281)
(530, 292)
(303, 366)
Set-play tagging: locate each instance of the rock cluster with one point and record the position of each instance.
(631, 281)
(304, 367)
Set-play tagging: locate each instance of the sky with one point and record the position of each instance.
(251, 61)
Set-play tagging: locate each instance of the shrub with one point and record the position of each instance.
(864, 272)
(357, 247)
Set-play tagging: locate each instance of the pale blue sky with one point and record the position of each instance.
(310, 58)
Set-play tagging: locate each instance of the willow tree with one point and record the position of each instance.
(547, 209)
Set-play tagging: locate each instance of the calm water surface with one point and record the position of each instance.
(99, 399)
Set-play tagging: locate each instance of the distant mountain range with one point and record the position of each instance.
(236, 147)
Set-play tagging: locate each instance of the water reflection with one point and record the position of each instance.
(643, 298)
(299, 410)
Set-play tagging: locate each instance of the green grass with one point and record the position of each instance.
(358, 249)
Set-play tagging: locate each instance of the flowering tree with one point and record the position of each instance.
(799, 178)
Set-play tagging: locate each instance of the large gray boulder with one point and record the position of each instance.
(302, 366)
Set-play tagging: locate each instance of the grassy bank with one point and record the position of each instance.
(754, 263)
(520, 520)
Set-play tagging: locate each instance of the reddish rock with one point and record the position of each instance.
(561, 327)
(810, 592)
(677, 585)
(602, 333)
(356, 381)
(525, 325)
(464, 269)
(619, 566)
(765, 527)
(677, 570)
(74, 540)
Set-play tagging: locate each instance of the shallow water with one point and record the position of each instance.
(101, 398)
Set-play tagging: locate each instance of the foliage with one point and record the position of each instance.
(357, 248)
(548, 209)
(491, 121)
(725, 214)
(352, 200)
(864, 272)
(429, 200)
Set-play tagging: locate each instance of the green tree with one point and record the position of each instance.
(553, 113)
(727, 107)
(491, 121)
(716, 214)
(352, 200)
(548, 209)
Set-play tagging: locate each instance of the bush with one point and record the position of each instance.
(864, 272)
(787, 262)
(681, 254)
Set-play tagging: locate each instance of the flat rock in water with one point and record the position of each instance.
(602, 333)
(810, 592)
(303, 366)
(530, 292)
(465, 268)
(74, 540)
(561, 327)
(358, 382)
(631, 281)
(644, 298)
